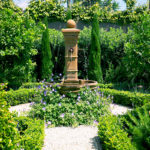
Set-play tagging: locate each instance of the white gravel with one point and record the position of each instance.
(68, 138)
(118, 109)
(21, 109)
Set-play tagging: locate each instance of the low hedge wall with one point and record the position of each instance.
(20, 96)
(31, 133)
(111, 134)
(30, 85)
(126, 98)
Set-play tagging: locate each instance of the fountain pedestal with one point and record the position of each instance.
(71, 82)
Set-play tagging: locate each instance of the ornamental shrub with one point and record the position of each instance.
(71, 110)
(9, 136)
(17, 47)
(112, 135)
(94, 66)
(20, 96)
(46, 55)
(126, 98)
(31, 133)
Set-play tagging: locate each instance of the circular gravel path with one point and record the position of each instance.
(68, 138)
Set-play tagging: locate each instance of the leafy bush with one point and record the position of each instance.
(9, 136)
(18, 34)
(137, 56)
(127, 98)
(137, 123)
(20, 96)
(40, 9)
(57, 109)
(31, 133)
(111, 134)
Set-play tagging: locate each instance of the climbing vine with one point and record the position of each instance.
(55, 11)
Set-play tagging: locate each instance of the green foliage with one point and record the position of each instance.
(9, 136)
(111, 134)
(30, 85)
(138, 126)
(58, 50)
(54, 11)
(10, 5)
(31, 133)
(110, 85)
(94, 66)
(46, 55)
(20, 96)
(58, 110)
(39, 9)
(130, 4)
(137, 54)
(68, 15)
(126, 98)
(18, 34)
(112, 47)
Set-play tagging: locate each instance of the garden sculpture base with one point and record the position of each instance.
(71, 82)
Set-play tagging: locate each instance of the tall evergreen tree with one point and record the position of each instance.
(46, 55)
(94, 67)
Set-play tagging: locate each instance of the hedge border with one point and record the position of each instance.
(132, 99)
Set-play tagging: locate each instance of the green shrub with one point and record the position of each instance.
(68, 14)
(31, 133)
(110, 85)
(137, 123)
(137, 56)
(17, 47)
(9, 136)
(20, 96)
(94, 66)
(30, 85)
(126, 98)
(84, 108)
(111, 134)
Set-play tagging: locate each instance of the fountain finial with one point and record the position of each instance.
(71, 24)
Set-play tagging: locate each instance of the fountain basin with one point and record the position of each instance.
(74, 86)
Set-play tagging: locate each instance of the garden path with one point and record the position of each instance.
(68, 138)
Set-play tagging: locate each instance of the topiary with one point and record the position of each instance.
(9, 136)
(94, 67)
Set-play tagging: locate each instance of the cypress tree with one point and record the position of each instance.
(46, 54)
(69, 14)
(94, 66)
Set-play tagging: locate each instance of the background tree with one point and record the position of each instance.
(46, 55)
(94, 67)
(137, 51)
(103, 3)
(17, 47)
(130, 3)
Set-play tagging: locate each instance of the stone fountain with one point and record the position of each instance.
(71, 83)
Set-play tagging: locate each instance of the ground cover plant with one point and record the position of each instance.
(71, 110)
